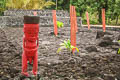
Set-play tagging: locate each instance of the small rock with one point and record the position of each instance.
(100, 34)
(119, 37)
(49, 63)
(66, 78)
(109, 77)
(97, 78)
(118, 76)
(84, 66)
(4, 78)
(45, 42)
(92, 72)
(91, 49)
(12, 70)
(106, 41)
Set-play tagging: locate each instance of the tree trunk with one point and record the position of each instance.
(100, 16)
(109, 21)
(56, 4)
(117, 20)
(80, 14)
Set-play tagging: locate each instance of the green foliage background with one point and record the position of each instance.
(2, 6)
(93, 7)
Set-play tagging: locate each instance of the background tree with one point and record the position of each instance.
(2, 6)
(61, 4)
(29, 4)
(81, 6)
(112, 8)
(94, 7)
(116, 10)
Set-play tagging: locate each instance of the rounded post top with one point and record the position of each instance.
(31, 19)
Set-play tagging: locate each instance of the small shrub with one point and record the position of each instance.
(67, 45)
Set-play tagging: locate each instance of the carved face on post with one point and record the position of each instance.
(31, 28)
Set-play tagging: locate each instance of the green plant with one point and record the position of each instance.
(118, 40)
(67, 45)
(2, 7)
(60, 24)
(119, 48)
(119, 51)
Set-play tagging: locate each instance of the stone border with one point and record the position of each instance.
(47, 13)
(17, 21)
(14, 18)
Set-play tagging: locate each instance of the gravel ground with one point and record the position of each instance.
(97, 59)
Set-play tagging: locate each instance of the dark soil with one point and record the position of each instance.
(97, 59)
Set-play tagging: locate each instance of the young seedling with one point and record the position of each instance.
(118, 40)
(60, 24)
(67, 45)
(119, 51)
(119, 48)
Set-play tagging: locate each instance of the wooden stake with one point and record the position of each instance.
(75, 20)
(103, 20)
(73, 29)
(87, 16)
(55, 22)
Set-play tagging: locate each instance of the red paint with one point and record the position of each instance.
(87, 16)
(73, 29)
(30, 46)
(103, 19)
(55, 22)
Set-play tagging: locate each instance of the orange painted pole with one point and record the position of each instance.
(75, 20)
(71, 22)
(88, 23)
(73, 29)
(70, 14)
(55, 22)
(103, 20)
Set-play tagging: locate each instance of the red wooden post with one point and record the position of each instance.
(87, 16)
(73, 30)
(103, 19)
(55, 22)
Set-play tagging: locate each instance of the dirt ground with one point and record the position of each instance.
(97, 59)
